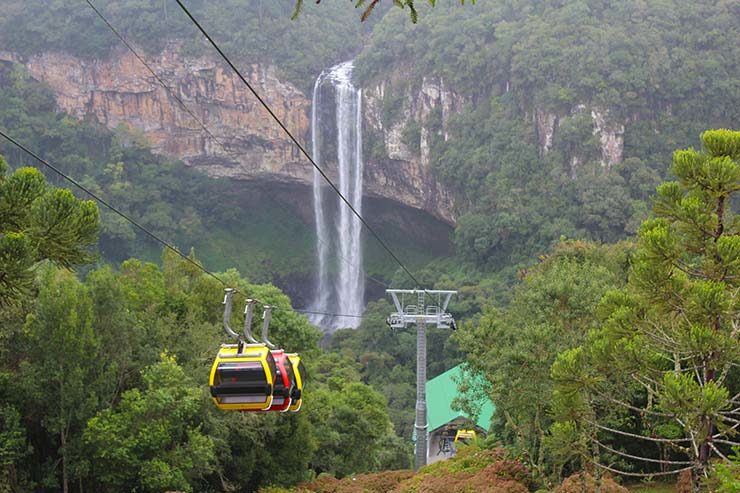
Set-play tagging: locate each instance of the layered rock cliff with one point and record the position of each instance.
(426, 110)
(248, 144)
(610, 133)
(410, 155)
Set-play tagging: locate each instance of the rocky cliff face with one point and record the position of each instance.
(609, 133)
(120, 90)
(248, 144)
(410, 156)
(425, 111)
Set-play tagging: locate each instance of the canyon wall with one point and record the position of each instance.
(248, 144)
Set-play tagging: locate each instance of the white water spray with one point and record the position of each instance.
(340, 286)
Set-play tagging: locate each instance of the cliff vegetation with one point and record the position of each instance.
(570, 110)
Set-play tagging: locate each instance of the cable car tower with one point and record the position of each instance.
(421, 314)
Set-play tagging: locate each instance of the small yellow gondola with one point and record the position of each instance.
(299, 372)
(465, 435)
(242, 377)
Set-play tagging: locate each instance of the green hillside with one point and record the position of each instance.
(597, 307)
(664, 71)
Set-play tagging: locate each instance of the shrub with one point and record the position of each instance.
(381, 482)
(508, 470)
(683, 484)
(573, 484)
(472, 470)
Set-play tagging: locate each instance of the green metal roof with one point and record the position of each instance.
(441, 390)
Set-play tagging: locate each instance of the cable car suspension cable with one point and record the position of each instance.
(109, 206)
(195, 117)
(295, 141)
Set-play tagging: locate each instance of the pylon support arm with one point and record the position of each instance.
(394, 294)
(435, 314)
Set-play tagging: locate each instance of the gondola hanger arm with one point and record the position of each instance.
(248, 316)
(266, 326)
(228, 301)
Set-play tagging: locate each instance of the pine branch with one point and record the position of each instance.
(646, 459)
(641, 437)
(368, 10)
(297, 10)
(638, 474)
(727, 442)
(634, 408)
(718, 452)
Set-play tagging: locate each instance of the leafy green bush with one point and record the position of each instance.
(728, 475)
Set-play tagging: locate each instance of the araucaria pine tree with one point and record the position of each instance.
(668, 350)
(40, 222)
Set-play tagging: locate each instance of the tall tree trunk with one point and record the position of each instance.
(710, 372)
(584, 483)
(63, 438)
(13, 479)
(705, 452)
(597, 469)
(65, 481)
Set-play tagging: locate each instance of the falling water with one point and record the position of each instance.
(322, 294)
(340, 286)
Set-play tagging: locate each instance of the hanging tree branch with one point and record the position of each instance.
(634, 408)
(647, 459)
(718, 452)
(641, 437)
(641, 474)
(727, 442)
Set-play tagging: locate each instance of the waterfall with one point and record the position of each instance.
(340, 286)
(322, 293)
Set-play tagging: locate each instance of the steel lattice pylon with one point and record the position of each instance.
(420, 314)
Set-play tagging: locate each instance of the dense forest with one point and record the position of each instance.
(100, 378)
(248, 29)
(664, 71)
(597, 301)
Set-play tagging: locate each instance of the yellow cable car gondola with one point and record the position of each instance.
(299, 373)
(242, 375)
(465, 435)
(254, 375)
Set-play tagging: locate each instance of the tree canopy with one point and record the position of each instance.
(40, 222)
(668, 342)
(533, 92)
(625, 357)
